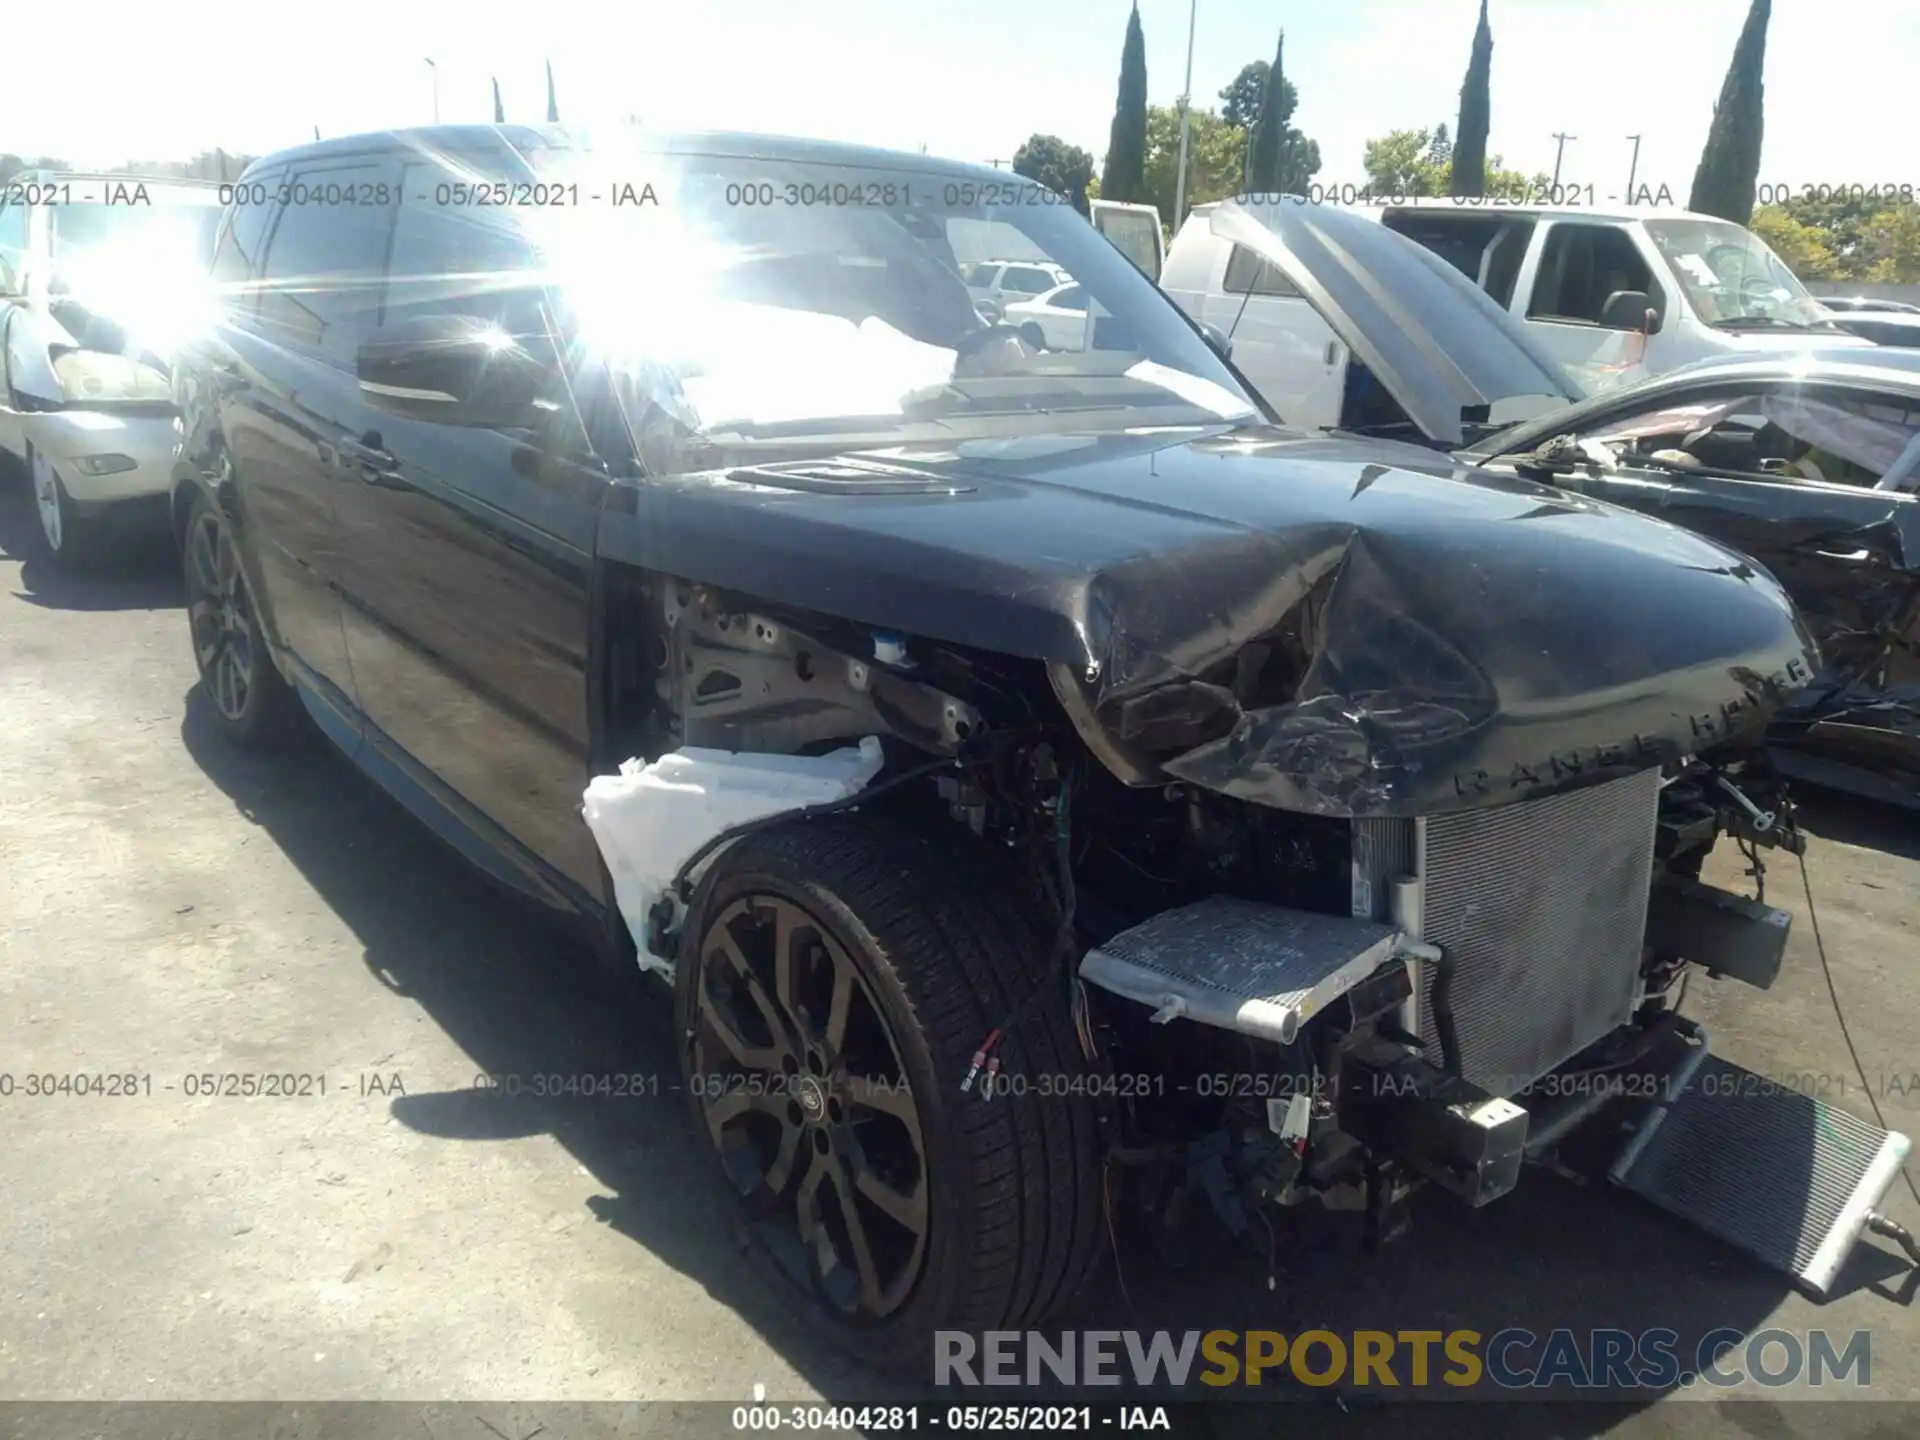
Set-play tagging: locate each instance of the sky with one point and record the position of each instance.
(969, 80)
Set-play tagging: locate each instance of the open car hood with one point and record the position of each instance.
(1432, 337)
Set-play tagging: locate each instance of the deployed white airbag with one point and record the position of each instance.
(649, 818)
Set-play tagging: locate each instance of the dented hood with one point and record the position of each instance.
(1317, 624)
(1442, 348)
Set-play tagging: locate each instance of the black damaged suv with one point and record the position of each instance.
(1207, 748)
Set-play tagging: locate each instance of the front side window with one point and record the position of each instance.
(320, 287)
(1732, 280)
(1581, 266)
(733, 330)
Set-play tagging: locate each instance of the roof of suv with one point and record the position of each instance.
(432, 139)
(1447, 206)
(63, 177)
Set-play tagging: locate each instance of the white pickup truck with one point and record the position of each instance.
(1611, 296)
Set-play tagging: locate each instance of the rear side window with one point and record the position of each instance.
(1026, 280)
(236, 255)
(320, 288)
(1251, 274)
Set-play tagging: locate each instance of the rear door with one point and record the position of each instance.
(1279, 342)
(466, 601)
(1135, 232)
(295, 283)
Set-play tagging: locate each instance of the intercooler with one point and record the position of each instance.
(1540, 908)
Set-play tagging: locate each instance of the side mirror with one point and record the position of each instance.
(1630, 310)
(1217, 338)
(452, 370)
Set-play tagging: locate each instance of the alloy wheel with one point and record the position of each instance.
(46, 499)
(220, 614)
(800, 1082)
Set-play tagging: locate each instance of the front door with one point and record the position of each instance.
(1563, 292)
(466, 597)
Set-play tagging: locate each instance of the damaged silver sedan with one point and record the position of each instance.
(1042, 780)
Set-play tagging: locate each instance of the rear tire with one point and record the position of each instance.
(832, 1077)
(251, 704)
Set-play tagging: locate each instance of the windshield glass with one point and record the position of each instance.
(1732, 280)
(751, 306)
(173, 231)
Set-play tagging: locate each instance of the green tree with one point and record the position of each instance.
(1729, 167)
(1057, 165)
(1476, 112)
(1240, 101)
(1280, 160)
(1894, 237)
(1804, 247)
(1121, 178)
(1215, 158)
(1421, 162)
(1845, 225)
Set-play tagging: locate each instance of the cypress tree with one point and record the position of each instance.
(1123, 177)
(1724, 183)
(553, 105)
(1268, 147)
(1469, 173)
(499, 110)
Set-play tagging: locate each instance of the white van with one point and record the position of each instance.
(1613, 297)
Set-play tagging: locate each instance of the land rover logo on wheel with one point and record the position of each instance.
(812, 1098)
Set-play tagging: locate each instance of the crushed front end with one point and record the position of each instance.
(1357, 1008)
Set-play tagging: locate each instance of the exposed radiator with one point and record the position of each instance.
(1541, 908)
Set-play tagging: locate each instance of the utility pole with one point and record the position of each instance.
(1186, 108)
(1558, 152)
(1634, 168)
(434, 71)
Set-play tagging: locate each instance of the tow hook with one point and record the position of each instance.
(1763, 820)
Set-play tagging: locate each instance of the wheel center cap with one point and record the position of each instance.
(812, 1098)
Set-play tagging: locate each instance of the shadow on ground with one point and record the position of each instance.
(139, 572)
(520, 996)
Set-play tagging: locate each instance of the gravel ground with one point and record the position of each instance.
(169, 909)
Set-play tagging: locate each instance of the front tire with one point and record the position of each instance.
(835, 978)
(251, 704)
(70, 540)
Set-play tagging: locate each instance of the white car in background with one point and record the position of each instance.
(1883, 327)
(1056, 320)
(1613, 297)
(995, 284)
(100, 276)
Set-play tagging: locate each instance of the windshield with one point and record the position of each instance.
(171, 232)
(747, 305)
(1732, 280)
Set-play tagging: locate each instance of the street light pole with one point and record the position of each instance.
(434, 70)
(1186, 107)
(1634, 168)
(1558, 152)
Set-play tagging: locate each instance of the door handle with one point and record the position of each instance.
(374, 462)
(1333, 353)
